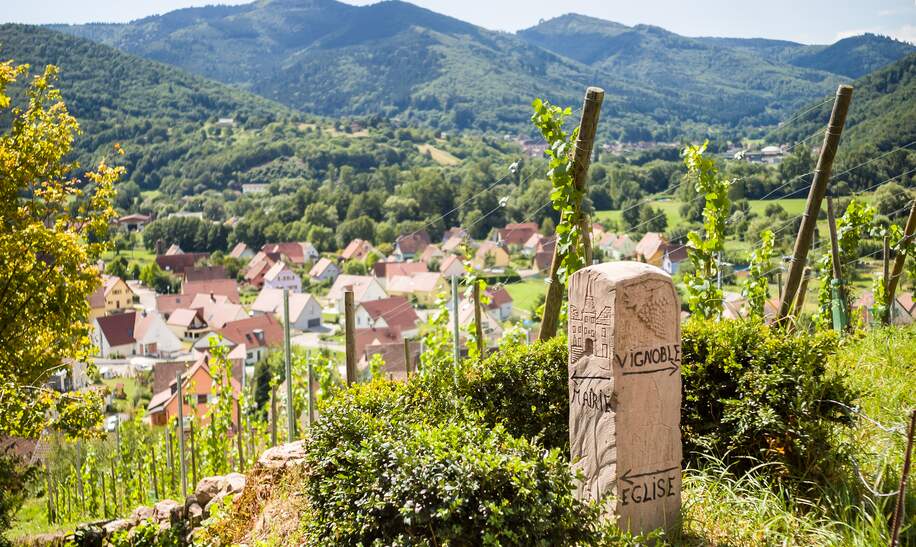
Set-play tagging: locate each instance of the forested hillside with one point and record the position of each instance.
(881, 122)
(399, 60)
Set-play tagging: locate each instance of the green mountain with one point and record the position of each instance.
(855, 56)
(398, 60)
(882, 113)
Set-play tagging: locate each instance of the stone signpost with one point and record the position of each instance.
(625, 392)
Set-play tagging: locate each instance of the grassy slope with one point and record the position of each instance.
(793, 206)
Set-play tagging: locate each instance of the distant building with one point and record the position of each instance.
(134, 222)
(112, 296)
(178, 263)
(133, 333)
(451, 266)
(297, 253)
(500, 302)
(364, 287)
(197, 382)
(255, 188)
(674, 255)
(358, 249)
(516, 234)
(394, 312)
(225, 122)
(411, 245)
(490, 255)
(304, 310)
(241, 251)
(651, 249)
(281, 276)
(324, 270)
(257, 334)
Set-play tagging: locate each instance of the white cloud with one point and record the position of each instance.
(906, 33)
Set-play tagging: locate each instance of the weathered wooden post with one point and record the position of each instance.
(350, 335)
(908, 231)
(184, 468)
(287, 361)
(308, 358)
(625, 392)
(478, 326)
(815, 196)
(456, 333)
(407, 365)
(588, 125)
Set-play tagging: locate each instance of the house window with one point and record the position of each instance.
(201, 398)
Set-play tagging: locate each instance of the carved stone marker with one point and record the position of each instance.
(625, 392)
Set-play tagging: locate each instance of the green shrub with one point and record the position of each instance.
(383, 471)
(524, 388)
(754, 393)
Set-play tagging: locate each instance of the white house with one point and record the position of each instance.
(323, 270)
(365, 289)
(394, 313)
(304, 310)
(280, 276)
(126, 334)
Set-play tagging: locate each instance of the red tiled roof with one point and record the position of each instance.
(396, 310)
(517, 233)
(118, 329)
(542, 260)
(387, 270)
(238, 250)
(178, 264)
(243, 331)
(355, 247)
(367, 337)
(206, 273)
(498, 296)
(413, 243)
(223, 287)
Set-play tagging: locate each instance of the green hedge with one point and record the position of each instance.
(754, 393)
(383, 471)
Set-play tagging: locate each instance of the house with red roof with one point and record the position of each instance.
(134, 222)
(500, 302)
(674, 254)
(188, 324)
(197, 382)
(490, 255)
(425, 287)
(392, 353)
(258, 334)
(411, 245)
(296, 252)
(384, 271)
(516, 233)
(358, 249)
(394, 312)
(134, 333)
(113, 295)
(179, 263)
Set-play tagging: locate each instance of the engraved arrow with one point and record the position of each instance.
(626, 477)
(588, 377)
(671, 368)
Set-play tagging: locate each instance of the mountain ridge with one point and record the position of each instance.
(399, 60)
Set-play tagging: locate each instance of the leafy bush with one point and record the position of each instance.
(382, 472)
(754, 391)
(524, 388)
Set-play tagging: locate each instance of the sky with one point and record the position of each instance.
(806, 21)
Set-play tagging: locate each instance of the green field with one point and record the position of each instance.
(525, 293)
(793, 206)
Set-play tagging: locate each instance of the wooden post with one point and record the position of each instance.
(238, 435)
(308, 357)
(50, 500)
(104, 495)
(155, 472)
(193, 455)
(181, 451)
(901, 490)
(908, 232)
(407, 364)
(478, 327)
(273, 416)
(886, 272)
(114, 489)
(582, 153)
(837, 292)
(802, 290)
(350, 335)
(287, 358)
(456, 331)
(815, 197)
(170, 460)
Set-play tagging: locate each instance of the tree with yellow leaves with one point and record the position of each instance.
(53, 228)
